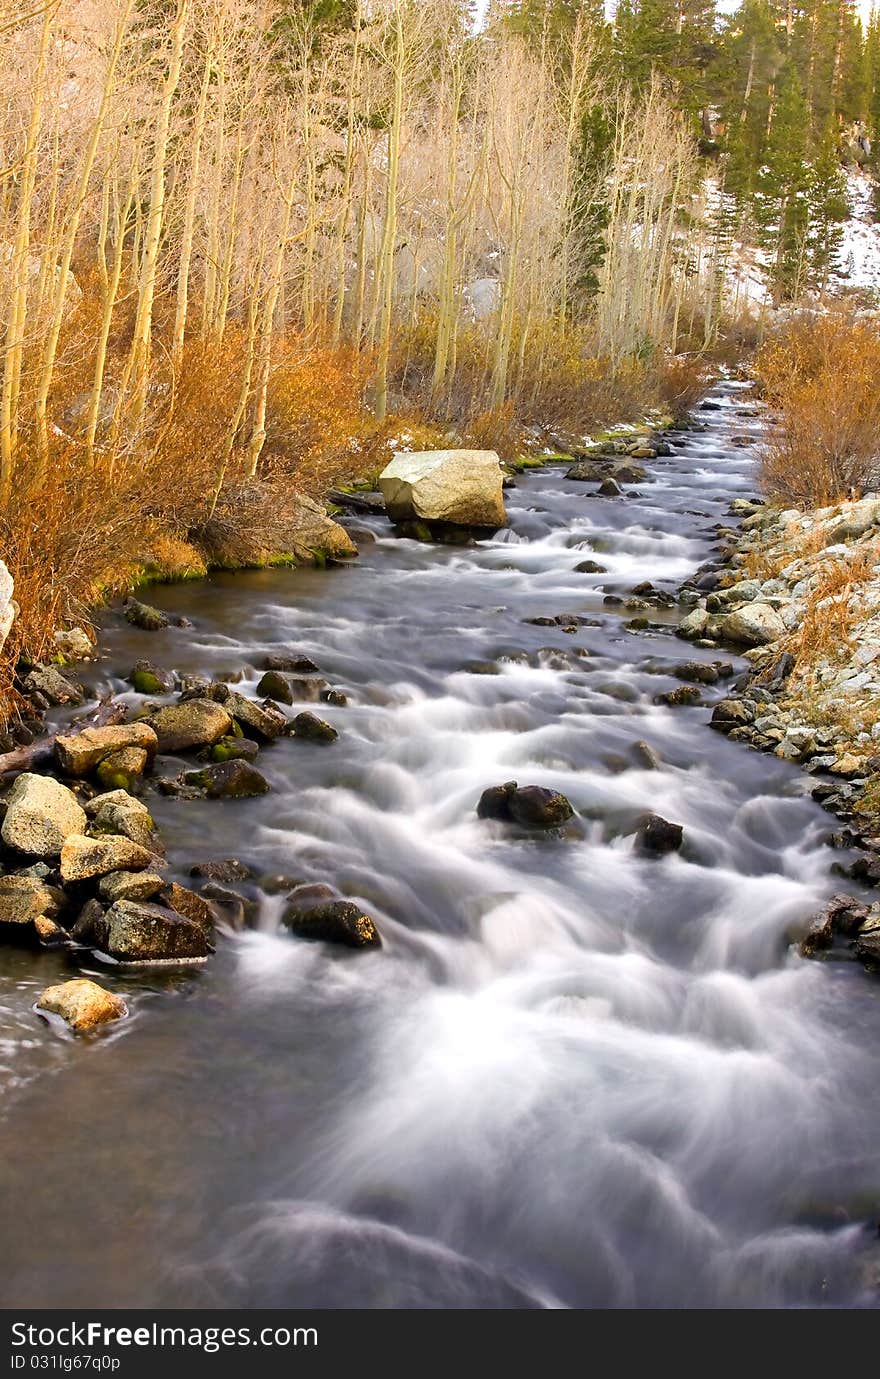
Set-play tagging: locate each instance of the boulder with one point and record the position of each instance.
(226, 870)
(754, 624)
(694, 624)
(732, 713)
(494, 803)
(80, 753)
(337, 921)
(311, 536)
(275, 685)
(229, 780)
(461, 487)
(82, 858)
(41, 815)
(609, 488)
(121, 769)
(83, 1004)
(590, 567)
(23, 899)
(656, 836)
(129, 885)
(83, 929)
(313, 729)
(136, 931)
(193, 723)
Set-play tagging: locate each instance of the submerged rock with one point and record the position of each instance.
(82, 1003)
(288, 660)
(41, 815)
(461, 487)
(337, 921)
(656, 836)
(494, 803)
(146, 678)
(312, 728)
(144, 616)
(231, 749)
(275, 685)
(229, 780)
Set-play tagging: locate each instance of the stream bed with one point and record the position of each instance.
(573, 1076)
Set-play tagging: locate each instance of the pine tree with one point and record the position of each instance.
(783, 185)
(829, 208)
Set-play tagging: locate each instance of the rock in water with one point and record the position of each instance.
(24, 899)
(121, 769)
(83, 1004)
(194, 723)
(461, 487)
(314, 729)
(41, 815)
(656, 836)
(755, 624)
(133, 931)
(340, 921)
(229, 780)
(533, 806)
(143, 615)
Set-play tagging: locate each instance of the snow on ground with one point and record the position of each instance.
(860, 251)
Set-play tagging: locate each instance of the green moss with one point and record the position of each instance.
(145, 682)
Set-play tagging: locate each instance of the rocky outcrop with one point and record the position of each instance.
(82, 1003)
(41, 815)
(457, 487)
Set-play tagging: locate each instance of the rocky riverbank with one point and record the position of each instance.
(798, 594)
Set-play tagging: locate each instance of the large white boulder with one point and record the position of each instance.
(755, 624)
(462, 487)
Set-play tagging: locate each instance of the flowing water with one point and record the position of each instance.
(572, 1077)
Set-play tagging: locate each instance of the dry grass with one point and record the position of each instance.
(820, 374)
(834, 608)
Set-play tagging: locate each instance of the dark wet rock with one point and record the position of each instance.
(280, 883)
(682, 697)
(867, 944)
(656, 836)
(638, 624)
(231, 749)
(586, 472)
(261, 721)
(290, 661)
(337, 921)
(732, 713)
(228, 780)
(175, 789)
(275, 685)
(362, 501)
(54, 687)
(533, 806)
(646, 756)
(196, 687)
(191, 723)
(541, 621)
(146, 678)
(136, 931)
(695, 672)
(333, 696)
(494, 803)
(187, 903)
(819, 935)
(312, 728)
(590, 567)
(144, 616)
(613, 601)
(310, 893)
(481, 668)
(225, 870)
(83, 929)
(609, 488)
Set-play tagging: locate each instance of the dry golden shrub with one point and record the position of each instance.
(820, 375)
(680, 382)
(834, 608)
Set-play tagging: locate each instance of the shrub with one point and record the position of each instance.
(820, 375)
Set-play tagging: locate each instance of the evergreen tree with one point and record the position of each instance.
(829, 208)
(783, 186)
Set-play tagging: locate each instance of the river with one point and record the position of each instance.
(573, 1077)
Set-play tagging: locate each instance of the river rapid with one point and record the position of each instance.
(573, 1076)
